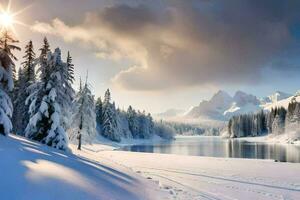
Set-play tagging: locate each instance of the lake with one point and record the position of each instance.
(219, 147)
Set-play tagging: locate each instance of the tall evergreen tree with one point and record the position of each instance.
(42, 61)
(7, 66)
(99, 111)
(70, 69)
(29, 67)
(84, 118)
(66, 96)
(133, 122)
(45, 121)
(109, 126)
(20, 114)
(26, 77)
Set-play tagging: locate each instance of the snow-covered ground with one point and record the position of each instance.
(32, 171)
(189, 177)
(29, 170)
(274, 139)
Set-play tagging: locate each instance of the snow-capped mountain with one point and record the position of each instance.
(214, 108)
(222, 106)
(242, 103)
(277, 96)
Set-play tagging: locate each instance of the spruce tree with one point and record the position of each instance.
(84, 117)
(45, 121)
(110, 126)
(70, 69)
(99, 111)
(7, 67)
(67, 93)
(26, 77)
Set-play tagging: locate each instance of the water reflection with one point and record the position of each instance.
(217, 147)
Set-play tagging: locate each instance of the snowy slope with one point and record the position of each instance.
(32, 171)
(282, 103)
(277, 96)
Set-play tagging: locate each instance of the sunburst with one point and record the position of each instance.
(8, 18)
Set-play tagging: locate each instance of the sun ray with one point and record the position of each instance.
(8, 6)
(21, 11)
(21, 23)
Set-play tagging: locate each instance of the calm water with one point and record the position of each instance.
(218, 147)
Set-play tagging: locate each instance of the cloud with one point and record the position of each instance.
(186, 43)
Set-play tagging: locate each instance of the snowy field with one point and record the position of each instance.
(189, 177)
(33, 171)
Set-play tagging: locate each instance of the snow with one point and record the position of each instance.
(282, 103)
(33, 171)
(280, 139)
(189, 177)
(30, 170)
(277, 96)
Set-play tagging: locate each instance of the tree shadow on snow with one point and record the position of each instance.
(29, 170)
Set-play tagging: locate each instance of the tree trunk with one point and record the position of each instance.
(79, 141)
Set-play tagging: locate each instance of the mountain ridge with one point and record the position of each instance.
(221, 106)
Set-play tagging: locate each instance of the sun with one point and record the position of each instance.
(6, 19)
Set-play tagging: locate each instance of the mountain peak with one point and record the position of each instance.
(241, 98)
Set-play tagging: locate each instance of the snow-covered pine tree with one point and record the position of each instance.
(20, 109)
(42, 61)
(99, 113)
(133, 122)
(278, 124)
(109, 126)
(45, 120)
(122, 124)
(70, 69)
(66, 93)
(7, 44)
(84, 117)
(6, 80)
(26, 77)
(145, 131)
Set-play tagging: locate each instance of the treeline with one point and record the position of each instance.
(194, 129)
(277, 121)
(43, 105)
(115, 124)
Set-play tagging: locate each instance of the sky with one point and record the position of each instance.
(163, 54)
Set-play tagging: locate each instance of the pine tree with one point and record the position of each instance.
(43, 69)
(7, 67)
(20, 114)
(7, 45)
(45, 120)
(66, 93)
(26, 77)
(133, 122)
(29, 67)
(110, 126)
(70, 69)
(84, 117)
(99, 111)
